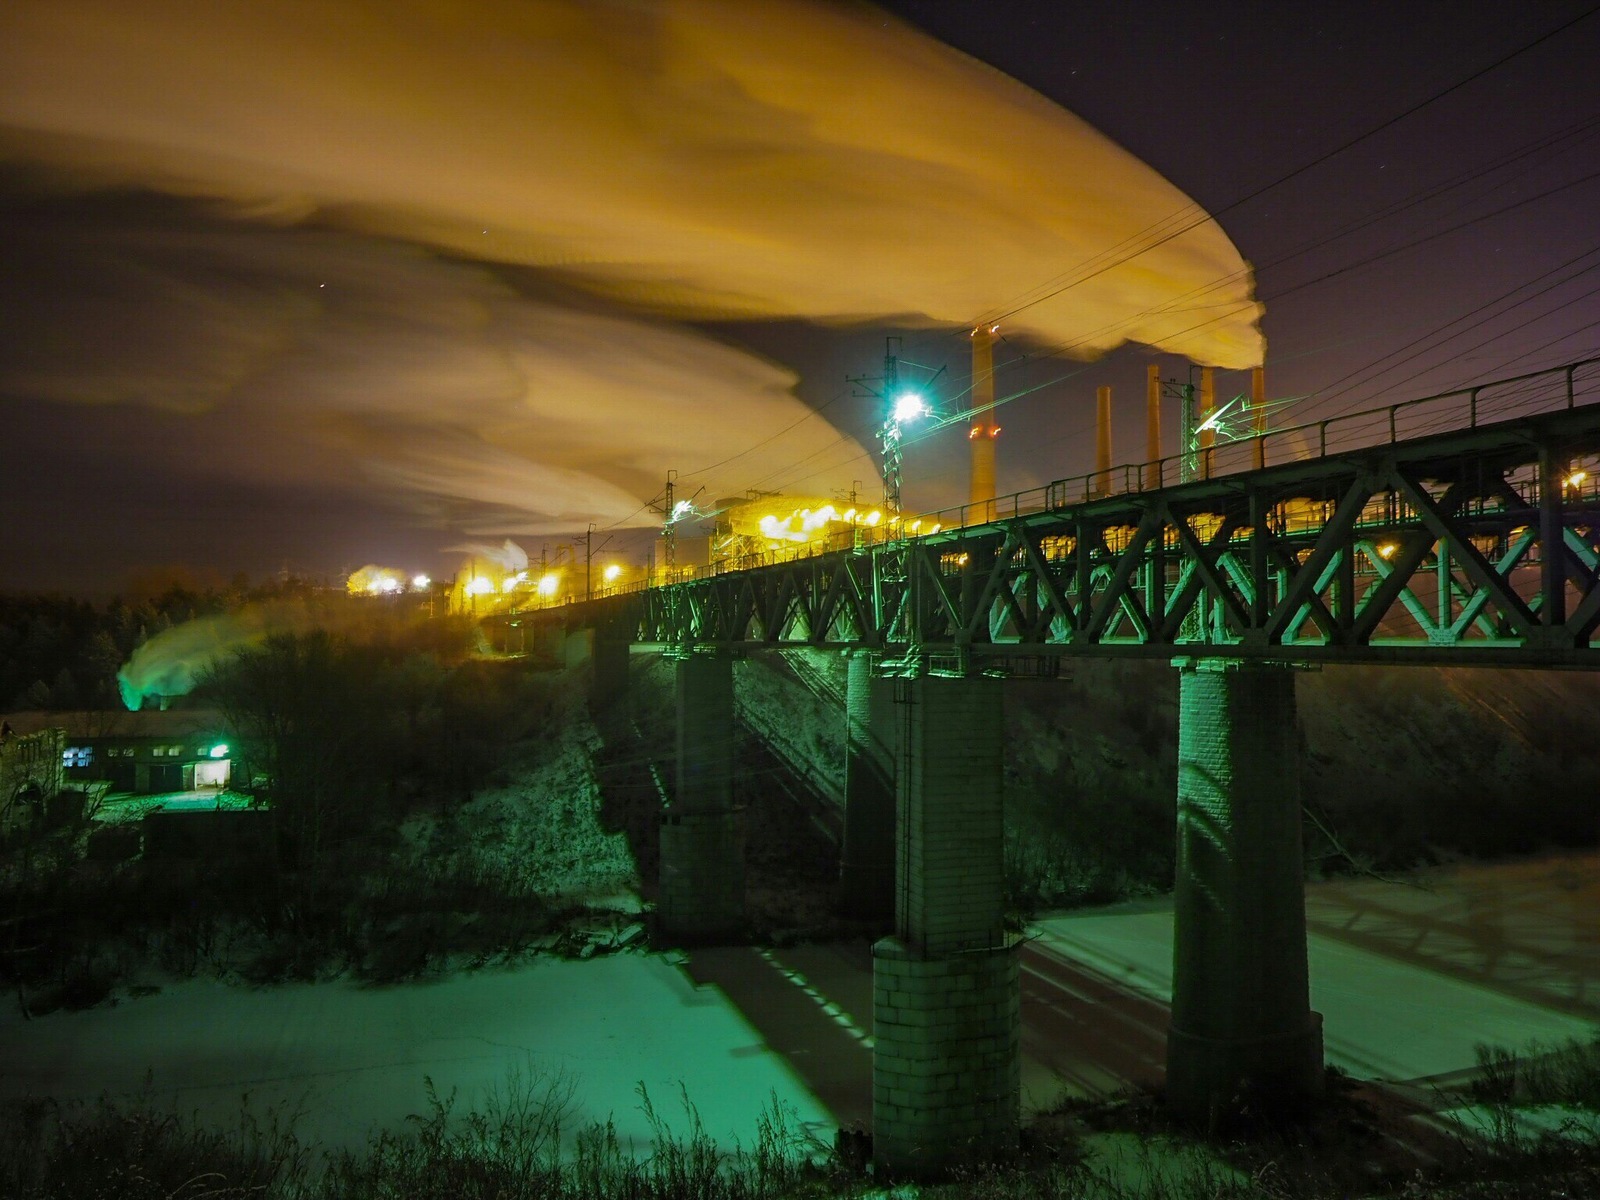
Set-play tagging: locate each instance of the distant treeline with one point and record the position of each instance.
(59, 653)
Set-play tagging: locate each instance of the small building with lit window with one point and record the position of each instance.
(150, 751)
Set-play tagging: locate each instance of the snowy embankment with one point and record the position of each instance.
(789, 701)
(542, 824)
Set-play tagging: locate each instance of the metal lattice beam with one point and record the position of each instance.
(1441, 549)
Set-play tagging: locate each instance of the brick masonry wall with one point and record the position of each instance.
(1241, 1014)
(948, 810)
(946, 1067)
(947, 1059)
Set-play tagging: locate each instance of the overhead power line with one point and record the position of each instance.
(1357, 140)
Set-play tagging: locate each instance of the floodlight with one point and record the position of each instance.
(908, 406)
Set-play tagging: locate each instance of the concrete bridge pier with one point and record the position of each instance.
(866, 859)
(946, 1066)
(702, 835)
(608, 680)
(1242, 1025)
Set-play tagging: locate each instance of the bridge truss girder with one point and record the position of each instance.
(1460, 548)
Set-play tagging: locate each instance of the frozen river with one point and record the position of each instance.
(1409, 979)
(351, 1058)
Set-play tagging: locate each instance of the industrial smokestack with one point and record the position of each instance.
(1208, 409)
(1102, 441)
(983, 430)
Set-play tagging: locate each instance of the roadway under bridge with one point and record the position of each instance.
(1465, 530)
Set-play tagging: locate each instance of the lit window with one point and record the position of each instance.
(77, 756)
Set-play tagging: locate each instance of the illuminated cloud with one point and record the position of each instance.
(310, 353)
(706, 157)
(441, 242)
(508, 556)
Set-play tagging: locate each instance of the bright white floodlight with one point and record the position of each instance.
(908, 406)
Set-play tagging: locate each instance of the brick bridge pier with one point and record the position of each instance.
(923, 853)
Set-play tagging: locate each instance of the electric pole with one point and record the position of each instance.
(672, 511)
(899, 407)
(588, 561)
(1188, 441)
(666, 504)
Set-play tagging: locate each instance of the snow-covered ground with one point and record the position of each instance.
(1409, 980)
(354, 1058)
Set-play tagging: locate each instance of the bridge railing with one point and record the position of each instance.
(1463, 408)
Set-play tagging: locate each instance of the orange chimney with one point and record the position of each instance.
(1102, 441)
(983, 430)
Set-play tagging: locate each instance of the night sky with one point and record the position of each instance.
(308, 294)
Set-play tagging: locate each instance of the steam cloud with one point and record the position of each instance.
(357, 180)
(170, 663)
(509, 557)
(483, 408)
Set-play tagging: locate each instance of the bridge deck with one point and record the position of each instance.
(1473, 545)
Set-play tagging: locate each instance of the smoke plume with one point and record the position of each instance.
(441, 242)
(170, 663)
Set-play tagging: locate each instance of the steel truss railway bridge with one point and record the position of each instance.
(1461, 529)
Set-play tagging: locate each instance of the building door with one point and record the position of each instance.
(212, 773)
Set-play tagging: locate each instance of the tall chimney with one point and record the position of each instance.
(1208, 407)
(983, 430)
(1102, 441)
